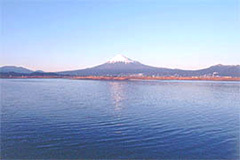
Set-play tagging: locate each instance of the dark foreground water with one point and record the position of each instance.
(56, 118)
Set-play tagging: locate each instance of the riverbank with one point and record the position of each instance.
(159, 78)
(126, 78)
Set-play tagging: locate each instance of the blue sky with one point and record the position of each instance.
(55, 35)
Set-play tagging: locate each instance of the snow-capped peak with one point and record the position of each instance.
(120, 58)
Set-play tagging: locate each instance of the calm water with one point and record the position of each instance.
(56, 118)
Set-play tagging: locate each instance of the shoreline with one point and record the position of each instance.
(125, 78)
(159, 78)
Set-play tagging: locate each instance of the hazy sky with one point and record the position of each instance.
(54, 35)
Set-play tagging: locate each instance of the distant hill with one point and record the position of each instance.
(28, 74)
(20, 71)
(39, 71)
(7, 69)
(221, 70)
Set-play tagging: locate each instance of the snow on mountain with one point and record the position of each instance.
(120, 59)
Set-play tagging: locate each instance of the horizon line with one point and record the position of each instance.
(219, 64)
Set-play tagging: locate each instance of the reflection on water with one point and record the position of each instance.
(117, 93)
(69, 119)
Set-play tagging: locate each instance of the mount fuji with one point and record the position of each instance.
(117, 66)
(122, 63)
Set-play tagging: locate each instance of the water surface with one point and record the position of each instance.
(57, 118)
